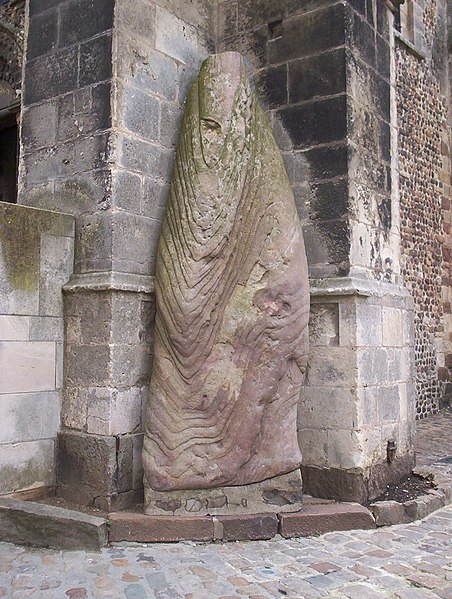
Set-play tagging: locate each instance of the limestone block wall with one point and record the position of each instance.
(423, 99)
(36, 259)
(359, 391)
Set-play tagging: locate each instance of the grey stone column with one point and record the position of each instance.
(326, 72)
(104, 87)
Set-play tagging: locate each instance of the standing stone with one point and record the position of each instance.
(232, 297)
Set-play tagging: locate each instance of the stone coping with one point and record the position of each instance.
(32, 523)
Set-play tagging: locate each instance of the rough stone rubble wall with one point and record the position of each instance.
(425, 199)
(36, 259)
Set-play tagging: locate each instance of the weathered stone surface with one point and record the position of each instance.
(387, 513)
(154, 529)
(250, 527)
(25, 522)
(232, 299)
(279, 494)
(318, 519)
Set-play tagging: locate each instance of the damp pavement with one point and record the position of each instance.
(408, 561)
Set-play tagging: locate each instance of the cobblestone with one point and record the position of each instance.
(408, 561)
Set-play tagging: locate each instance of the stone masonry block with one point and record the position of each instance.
(29, 416)
(319, 519)
(27, 465)
(95, 60)
(39, 125)
(345, 449)
(176, 38)
(246, 527)
(87, 462)
(14, 328)
(388, 403)
(49, 526)
(319, 75)
(127, 191)
(46, 328)
(159, 529)
(149, 71)
(146, 159)
(314, 446)
(328, 407)
(311, 124)
(74, 408)
(135, 241)
(135, 105)
(332, 367)
(27, 366)
(324, 325)
(368, 325)
(322, 30)
(57, 263)
(87, 365)
(51, 75)
(83, 19)
(372, 366)
(392, 327)
(42, 34)
(136, 18)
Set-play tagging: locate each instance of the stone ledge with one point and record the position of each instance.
(387, 513)
(30, 523)
(110, 281)
(319, 519)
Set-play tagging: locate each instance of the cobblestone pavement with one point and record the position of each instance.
(411, 561)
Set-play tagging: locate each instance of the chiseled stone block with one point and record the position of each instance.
(392, 327)
(27, 366)
(175, 37)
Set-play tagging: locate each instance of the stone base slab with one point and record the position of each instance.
(30, 523)
(279, 494)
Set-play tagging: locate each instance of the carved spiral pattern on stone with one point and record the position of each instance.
(232, 298)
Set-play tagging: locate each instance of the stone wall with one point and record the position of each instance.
(425, 195)
(325, 72)
(36, 259)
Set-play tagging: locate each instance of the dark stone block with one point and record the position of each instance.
(82, 19)
(76, 119)
(87, 462)
(370, 13)
(50, 76)
(253, 45)
(271, 85)
(334, 483)
(309, 34)
(253, 13)
(359, 6)
(383, 58)
(249, 527)
(363, 39)
(39, 6)
(329, 201)
(321, 75)
(327, 162)
(384, 142)
(337, 236)
(383, 20)
(141, 114)
(95, 61)
(315, 123)
(381, 93)
(42, 34)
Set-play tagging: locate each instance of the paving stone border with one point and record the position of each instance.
(31, 523)
(387, 513)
